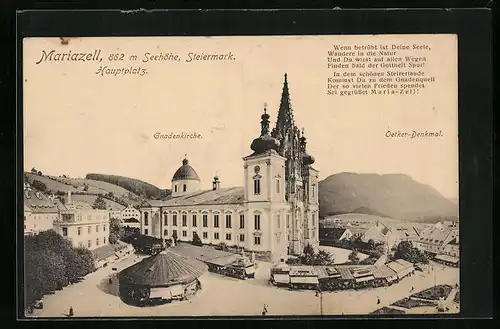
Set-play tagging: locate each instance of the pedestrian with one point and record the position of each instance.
(110, 281)
(411, 289)
(71, 311)
(264, 310)
(378, 300)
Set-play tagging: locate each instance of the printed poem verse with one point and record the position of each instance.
(378, 69)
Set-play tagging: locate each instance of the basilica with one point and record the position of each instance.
(275, 212)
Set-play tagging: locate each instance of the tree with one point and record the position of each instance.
(196, 240)
(116, 231)
(406, 251)
(40, 173)
(34, 171)
(222, 246)
(38, 185)
(371, 244)
(324, 258)
(85, 187)
(353, 257)
(99, 203)
(307, 257)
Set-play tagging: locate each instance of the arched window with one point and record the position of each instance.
(256, 186)
(256, 221)
(165, 218)
(175, 188)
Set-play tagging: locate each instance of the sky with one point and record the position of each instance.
(77, 122)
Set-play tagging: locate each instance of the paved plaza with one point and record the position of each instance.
(223, 296)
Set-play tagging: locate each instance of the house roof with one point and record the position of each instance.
(162, 270)
(229, 195)
(39, 202)
(434, 235)
(334, 232)
(382, 271)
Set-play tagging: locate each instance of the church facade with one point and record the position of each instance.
(276, 211)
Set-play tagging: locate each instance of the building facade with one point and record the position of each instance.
(83, 226)
(276, 210)
(40, 211)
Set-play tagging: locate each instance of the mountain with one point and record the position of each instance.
(142, 189)
(396, 196)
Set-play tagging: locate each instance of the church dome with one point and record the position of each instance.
(185, 172)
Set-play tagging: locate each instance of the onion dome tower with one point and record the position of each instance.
(306, 158)
(265, 142)
(185, 180)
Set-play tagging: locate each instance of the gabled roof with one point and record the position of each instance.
(230, 195)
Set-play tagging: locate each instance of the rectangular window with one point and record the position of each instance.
(256, 222)
(89, 243)
(242, 221)
(313, 190)
(145, 231)
(277, 186)
(184, 233)
(89, 229)
(174, 220)
(242, 237)
(256, 186)
(184, 220)
(165, 232)
(314, 220)
(287, 221)
(194, 221)
(205, 220)
(175, 188)
(97, 241)
(216, 236)
(256, 240)
(216, 220)
(104, 227)
(79, 231)
(97, 228)
(146, 221)
(184, 188)
(205, 235)
(278, 221)
(65, 231)
(228, 221)
(165, 219)
(104, 240)
(228, 236)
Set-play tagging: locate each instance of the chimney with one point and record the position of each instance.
(69, 197)
(216, 183)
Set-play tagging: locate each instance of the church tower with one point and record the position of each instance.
(300, 177)
(264, 194)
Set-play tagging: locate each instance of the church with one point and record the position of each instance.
(274, 213)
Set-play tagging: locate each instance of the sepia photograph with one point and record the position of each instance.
(255, 176)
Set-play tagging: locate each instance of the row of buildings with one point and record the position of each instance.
(74, 220)
(275, 212)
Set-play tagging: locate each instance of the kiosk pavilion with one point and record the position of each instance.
(274, 213)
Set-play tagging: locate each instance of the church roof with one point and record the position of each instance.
(185, 172)
(162, 270)
(228, 195)
(39, 202)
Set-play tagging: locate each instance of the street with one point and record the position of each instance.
(223, 296)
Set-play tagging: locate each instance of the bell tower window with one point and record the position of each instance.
(175, 188)
(256, 186)
(184, 188)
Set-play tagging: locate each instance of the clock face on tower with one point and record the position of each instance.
(256, 169)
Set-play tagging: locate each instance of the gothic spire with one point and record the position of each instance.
(285, 114)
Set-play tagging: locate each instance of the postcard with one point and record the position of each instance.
(241, 176)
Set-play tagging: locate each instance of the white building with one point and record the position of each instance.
(83, 226)
(276, 211)
(40, 211)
